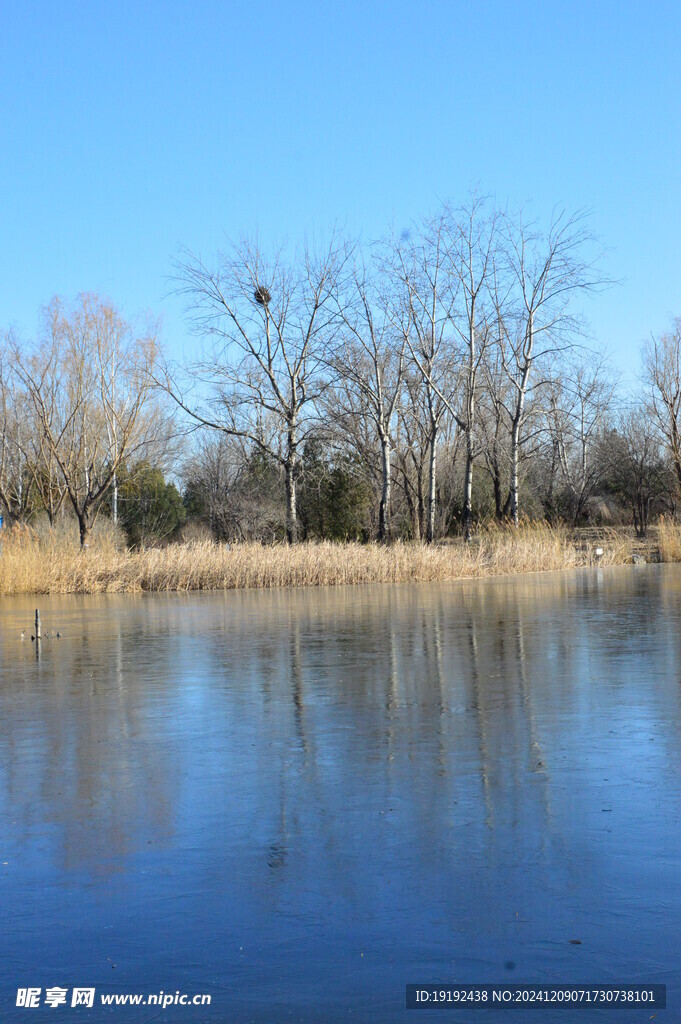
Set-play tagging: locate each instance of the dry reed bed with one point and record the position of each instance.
(29, 566)
(669, 540)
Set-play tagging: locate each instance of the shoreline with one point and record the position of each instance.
(29, 566)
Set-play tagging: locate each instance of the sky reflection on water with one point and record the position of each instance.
(310, 798)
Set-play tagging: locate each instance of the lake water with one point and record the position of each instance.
(300, 801)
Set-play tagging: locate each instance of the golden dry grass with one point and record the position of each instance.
(669, 540)
(55, 565)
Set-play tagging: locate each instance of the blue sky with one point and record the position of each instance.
(129, 129)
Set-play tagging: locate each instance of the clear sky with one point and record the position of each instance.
(129, 129)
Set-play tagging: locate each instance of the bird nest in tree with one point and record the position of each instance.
(262, 295)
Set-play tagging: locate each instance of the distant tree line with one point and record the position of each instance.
(436, 380)
(80, 419)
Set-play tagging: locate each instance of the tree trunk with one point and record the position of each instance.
(430, 528)
(675, 444)
(420, 505)
(291, 510)
(547, 500)
(515, 437)
(291, 467)
(84, 528)
(496, 483)
(515, 444)
(411, 503)
(384, 507)
(470, 417)
(468, 489)
(114, 498)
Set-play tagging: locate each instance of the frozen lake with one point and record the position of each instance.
(300, 801)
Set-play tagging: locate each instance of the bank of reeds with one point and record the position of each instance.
(669, 540)
(51, 565)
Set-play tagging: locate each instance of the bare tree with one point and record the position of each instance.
(430, 290)
(547, 271)
(633, 459)
(88, 382)
(580, 401)
(41, 485)
(348, 430)
(494, 426)
(267, 322)
(367, 363)
(16, 494)
(413, 441)
(447, 281)
(234, 490)
(662, 370)
(474, 251)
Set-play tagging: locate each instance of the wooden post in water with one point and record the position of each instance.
(37, 624)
